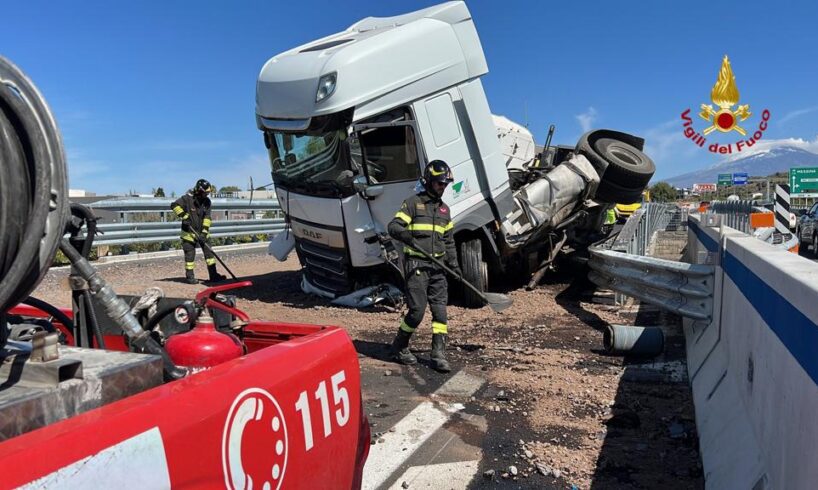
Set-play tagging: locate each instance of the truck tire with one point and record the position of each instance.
(624, 169)
(613, 193)
(475, 271)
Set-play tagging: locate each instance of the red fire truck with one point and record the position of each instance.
(188, 394)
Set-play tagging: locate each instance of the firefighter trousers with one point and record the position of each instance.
(190, 255)
(425, 284)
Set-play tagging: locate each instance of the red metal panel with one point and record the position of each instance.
(239, 401)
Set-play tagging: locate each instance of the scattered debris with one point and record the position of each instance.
(370, 296)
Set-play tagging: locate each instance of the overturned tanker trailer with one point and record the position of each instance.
(351, 119)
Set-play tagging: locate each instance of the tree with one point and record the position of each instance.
(228, 189)
(662, 192)
(159, 192)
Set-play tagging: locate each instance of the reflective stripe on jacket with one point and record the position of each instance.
(195, 210)
(428, 222)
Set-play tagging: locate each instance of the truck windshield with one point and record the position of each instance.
(309, 163)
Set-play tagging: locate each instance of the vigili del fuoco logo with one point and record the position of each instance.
(723, 117)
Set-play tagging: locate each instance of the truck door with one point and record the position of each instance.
(391, 158)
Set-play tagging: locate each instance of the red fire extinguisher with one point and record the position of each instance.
(204, 346)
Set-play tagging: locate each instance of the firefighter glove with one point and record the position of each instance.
(186, 225)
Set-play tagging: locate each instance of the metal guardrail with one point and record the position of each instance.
(637, 233)
(621, 264)
(132, 232)
(678, 287)
(736, 215)
(128, 233)
(163, 205)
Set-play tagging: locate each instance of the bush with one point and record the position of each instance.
(61, 259)
(145, 247)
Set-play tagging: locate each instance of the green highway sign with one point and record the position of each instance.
(725, 180)
(803, 180)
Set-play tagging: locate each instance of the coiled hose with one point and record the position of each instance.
(33, 187)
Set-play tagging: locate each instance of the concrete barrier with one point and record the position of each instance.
(754, 368)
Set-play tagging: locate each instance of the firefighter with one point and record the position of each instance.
(193, 209)
(424, 221)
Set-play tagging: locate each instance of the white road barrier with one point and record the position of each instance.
(754, 367)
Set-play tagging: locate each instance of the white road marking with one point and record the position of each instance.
(441, 476)
(415, 429)
(141, 458)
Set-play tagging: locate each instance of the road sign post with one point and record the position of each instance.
(725, 180)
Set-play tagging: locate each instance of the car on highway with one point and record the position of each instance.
(807, 230)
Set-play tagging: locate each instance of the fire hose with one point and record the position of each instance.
(33, 188)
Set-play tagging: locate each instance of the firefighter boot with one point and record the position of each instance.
(439, 362)
(190, 278)
(214, 274)
(400, 349)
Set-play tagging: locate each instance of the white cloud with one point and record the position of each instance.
(587, 119)
(797, 113)
(763, 146)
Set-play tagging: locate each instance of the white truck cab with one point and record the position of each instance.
(350, 120)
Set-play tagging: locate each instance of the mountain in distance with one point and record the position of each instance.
(767, 162)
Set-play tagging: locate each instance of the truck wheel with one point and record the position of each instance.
(625, 170)
(610, 192)
(475, 271)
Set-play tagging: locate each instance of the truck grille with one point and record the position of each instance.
(326, 268)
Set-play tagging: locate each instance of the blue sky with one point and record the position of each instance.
(152, 94)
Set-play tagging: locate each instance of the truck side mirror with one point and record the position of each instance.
(373, 191)
(359, 184)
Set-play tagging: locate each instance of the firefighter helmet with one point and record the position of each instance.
(202, 187)
(437, 171)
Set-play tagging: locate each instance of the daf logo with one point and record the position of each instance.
(311, 234)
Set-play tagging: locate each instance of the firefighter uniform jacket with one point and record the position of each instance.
(188, 207)
(426, 221)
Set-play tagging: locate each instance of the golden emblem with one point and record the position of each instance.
(725, 96)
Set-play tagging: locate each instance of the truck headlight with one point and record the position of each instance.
(326, 86)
